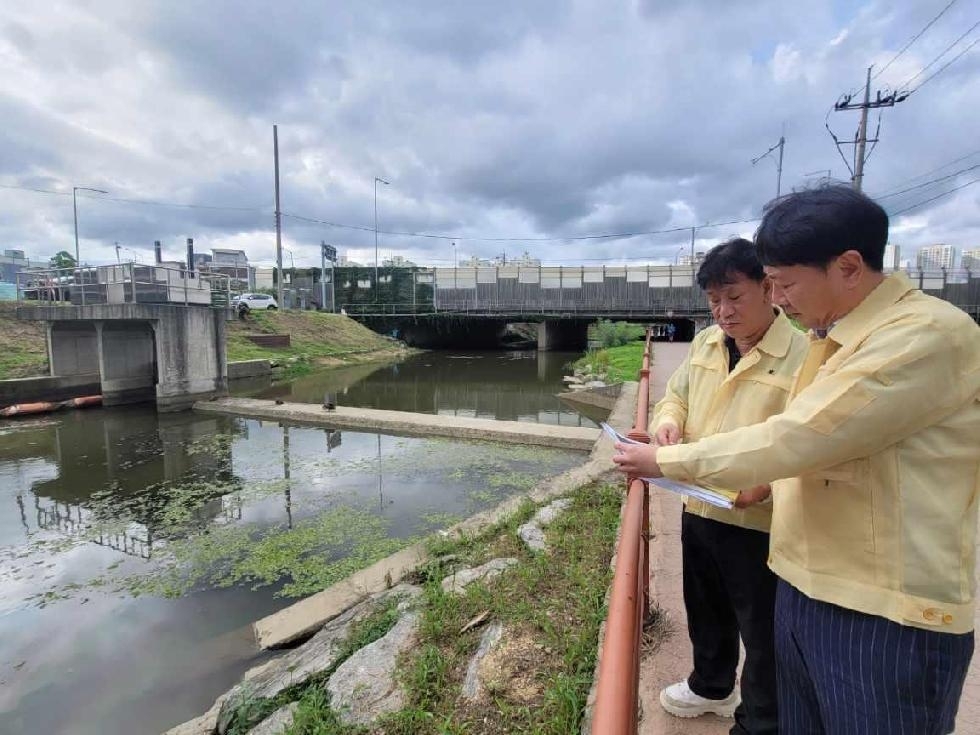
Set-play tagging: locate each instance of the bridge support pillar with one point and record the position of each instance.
(73, 349)
(565, 334)
(127, 362)
(191, 361)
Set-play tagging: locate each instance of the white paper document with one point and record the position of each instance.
(713, 497)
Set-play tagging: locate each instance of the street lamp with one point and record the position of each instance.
(74, 209)
(377, 285)
(677, 256)
(455, 259)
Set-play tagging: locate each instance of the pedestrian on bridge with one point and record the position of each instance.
(875, 466)
(737, 373)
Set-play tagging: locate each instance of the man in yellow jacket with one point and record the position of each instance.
(738, 372)
(877, 458)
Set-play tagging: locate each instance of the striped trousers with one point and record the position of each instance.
(842, 672)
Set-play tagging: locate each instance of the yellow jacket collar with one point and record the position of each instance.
(853, 325)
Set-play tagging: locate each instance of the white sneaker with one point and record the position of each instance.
(680, 701)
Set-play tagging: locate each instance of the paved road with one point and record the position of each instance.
(671, 661)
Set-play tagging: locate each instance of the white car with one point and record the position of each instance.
(255, 301)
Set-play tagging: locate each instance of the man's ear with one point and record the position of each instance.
(851, 266)
(766, 285)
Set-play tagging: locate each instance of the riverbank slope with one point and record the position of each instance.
(314, 337)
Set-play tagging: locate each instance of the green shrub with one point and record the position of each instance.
(613, 334)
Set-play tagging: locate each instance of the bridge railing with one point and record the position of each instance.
(617, 700)
(123, 283)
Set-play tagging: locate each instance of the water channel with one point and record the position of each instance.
(137, 548)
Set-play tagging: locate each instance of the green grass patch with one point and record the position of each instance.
(619, 363)
(25, 346)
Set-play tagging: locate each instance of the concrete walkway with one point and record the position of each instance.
(404, 423)
(671, 661)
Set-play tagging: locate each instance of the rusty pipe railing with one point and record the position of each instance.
(617, 706)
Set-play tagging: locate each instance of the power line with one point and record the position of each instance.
(932, 199)
(944, 66)
(604, 236)
(929, 172)
(147, 202)
(914, 39)
(929, 183)
(38, 191)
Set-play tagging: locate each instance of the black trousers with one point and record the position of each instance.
(729, 591)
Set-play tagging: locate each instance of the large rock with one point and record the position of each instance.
(365, 686)
(207, 723)
(455, 583)
(547, 515)
(318, 654)
(533, 536)
(203, 725)
(473, 683)
(278, 722)
(532, 532)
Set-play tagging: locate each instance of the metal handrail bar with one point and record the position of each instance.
(617, 698)
(55, 284)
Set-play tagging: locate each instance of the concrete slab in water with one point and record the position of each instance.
(407, 424)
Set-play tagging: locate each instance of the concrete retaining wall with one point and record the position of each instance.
(248, 369)
(47, 388)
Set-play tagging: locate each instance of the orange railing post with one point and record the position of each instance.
(616, 704)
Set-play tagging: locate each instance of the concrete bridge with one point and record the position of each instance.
(169, 353)
(472, 306)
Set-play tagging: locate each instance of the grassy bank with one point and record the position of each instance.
(25, 348)
(618, 363)
(315, 337)
(550, 605)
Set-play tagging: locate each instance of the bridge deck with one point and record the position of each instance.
(407, 424)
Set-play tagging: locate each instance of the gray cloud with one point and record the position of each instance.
(544, 119)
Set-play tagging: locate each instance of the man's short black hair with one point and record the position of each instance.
(813, 227)
(724, 263)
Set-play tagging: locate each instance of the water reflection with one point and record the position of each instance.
(509, 386)
(224, 513)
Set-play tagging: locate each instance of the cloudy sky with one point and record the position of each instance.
(503, 126)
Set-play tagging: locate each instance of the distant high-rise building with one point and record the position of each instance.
(936, 257)
(970, 259)
(12, 262)
(893, 258)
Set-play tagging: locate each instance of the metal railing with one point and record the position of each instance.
(617, 700)
(124, 283)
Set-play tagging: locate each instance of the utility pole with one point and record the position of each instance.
(275, 153)
(692, 247)
(779, 165)
(861, 139)
(323, 274)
